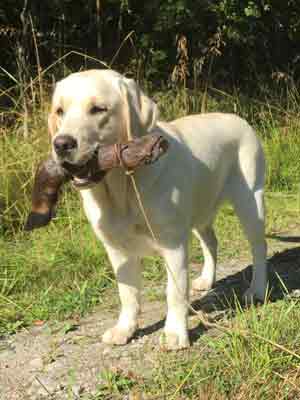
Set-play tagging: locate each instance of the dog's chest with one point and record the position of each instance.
(115, 227)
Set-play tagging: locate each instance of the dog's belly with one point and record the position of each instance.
(174, 214)
(126, 237)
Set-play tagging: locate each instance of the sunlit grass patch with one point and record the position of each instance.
(257, 359)
(62, 270)
(54, 273)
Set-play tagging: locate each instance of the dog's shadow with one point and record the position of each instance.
(284, 278)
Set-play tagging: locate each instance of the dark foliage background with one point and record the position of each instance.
(230, 42)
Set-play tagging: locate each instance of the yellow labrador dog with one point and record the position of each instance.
(212, 157)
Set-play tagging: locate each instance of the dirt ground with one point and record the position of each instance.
(55, 359)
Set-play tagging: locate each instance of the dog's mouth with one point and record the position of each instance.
(87, 182)
(85, 174)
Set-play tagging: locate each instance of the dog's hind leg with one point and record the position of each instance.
(209, 246)
(247, 195)
(249, 207)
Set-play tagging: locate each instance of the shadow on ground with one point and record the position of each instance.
(284, 278)
(283, 238)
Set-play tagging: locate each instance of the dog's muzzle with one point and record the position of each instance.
(86, 175)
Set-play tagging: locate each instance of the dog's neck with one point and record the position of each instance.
(115, 191)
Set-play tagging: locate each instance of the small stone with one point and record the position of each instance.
(107, 351)
(295, 293)
(77, 390)
(135, 396)
(36, 364)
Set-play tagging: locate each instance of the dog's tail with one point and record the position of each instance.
(251, 160)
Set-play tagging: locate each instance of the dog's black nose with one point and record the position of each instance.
(63, 144)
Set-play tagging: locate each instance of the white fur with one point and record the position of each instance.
(212, 157)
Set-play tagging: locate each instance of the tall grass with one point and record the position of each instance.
(62, 271)
(234, 366)
(42, 274)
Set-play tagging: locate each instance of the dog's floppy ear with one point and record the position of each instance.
(53, 118)
(52, 123)
(141, 113)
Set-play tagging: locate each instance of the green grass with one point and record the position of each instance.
(62, 271)
(258, 358)
(246, 363)
(51, 274)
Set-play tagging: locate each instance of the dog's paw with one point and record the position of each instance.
(173, 341)
(201, 285)
(117, 335)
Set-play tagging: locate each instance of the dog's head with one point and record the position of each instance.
(94, 108)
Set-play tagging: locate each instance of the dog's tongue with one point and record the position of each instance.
(81, 182)
(86, 175)
(88, 181)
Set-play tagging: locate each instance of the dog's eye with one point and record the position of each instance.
(97, 109)
(60, 112)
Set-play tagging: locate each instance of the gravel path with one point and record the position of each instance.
(56, 359)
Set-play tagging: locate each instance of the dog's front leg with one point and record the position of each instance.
(176, 332)
(128, 274)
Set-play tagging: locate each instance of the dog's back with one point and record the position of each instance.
(211, 154)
